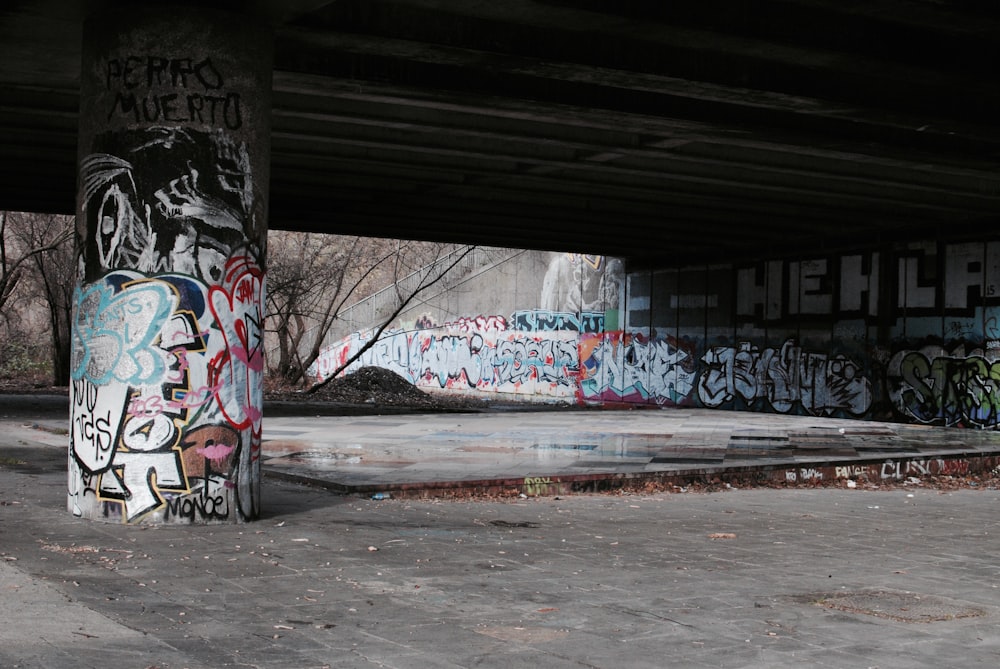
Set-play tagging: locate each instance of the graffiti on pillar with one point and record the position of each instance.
(156, 428)
(95, 415)
(167, 357)
(628, 367)
(237, 306)
(168, 330)
(175, 201)
(785, 378)
(956, 389)
(143, 399)
(116, 330)
(238, 369)
(161, 89)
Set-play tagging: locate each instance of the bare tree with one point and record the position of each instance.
(304, 276)
(53, 279)
(14, 258)
(311, 277)
(430, 275)
(36, 261)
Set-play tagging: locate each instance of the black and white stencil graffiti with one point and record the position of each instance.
(175, 200)
(578, 283)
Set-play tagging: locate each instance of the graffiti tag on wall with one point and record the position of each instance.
(954, 389)
(784, 378)
(545, 320)
(509, 362)
(157, 89)
(490, 360)
(617, 366)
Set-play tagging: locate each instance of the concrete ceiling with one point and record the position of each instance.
(665, 132)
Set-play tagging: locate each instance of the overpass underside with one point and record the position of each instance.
(664, 133)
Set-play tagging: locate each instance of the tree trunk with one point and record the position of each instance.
(60, 316)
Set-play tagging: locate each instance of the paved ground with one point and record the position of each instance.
(563, 452)
(818, 577)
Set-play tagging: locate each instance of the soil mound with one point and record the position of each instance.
(375, 385)
(371, 384)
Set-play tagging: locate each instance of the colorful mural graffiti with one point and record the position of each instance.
(956, 389)
(159, 363)
(617, 367)
(167, 361)
(840, 327)
(623, 367)
(494, 361)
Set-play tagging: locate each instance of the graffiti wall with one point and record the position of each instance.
(531, 352)
(632, 367)
(905, 331)
(168, 319)
(489, 361)
(955, 388)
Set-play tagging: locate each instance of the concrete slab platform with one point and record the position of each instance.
(571, 450)
(562, 452)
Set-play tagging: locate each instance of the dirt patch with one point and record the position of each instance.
(904, 607)
(372, 384)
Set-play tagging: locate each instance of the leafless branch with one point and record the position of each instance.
(403, 304)
(11, 269)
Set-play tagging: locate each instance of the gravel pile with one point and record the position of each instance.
(378, 386)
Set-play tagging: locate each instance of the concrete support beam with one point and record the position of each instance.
(174, 152)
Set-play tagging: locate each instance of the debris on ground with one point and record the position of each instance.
(376, 386)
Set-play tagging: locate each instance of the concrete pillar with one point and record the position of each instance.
(171, 220)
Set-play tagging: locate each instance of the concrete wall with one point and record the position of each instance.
(513, 329)
(905, 331)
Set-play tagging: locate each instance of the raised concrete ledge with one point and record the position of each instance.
(825, 473)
